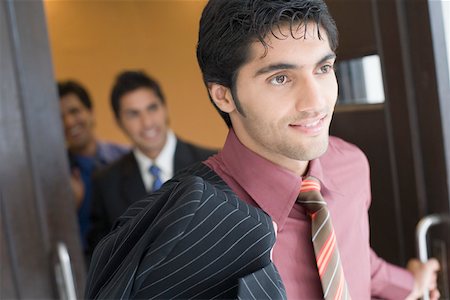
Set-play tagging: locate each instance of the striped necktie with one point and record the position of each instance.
(324, 241)
(157, 181)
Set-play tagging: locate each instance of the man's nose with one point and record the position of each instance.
(310, 96)
(147, 119)
(68, 120)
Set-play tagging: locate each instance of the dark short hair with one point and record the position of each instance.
(129, 81)
(228, 27)
(73, 87)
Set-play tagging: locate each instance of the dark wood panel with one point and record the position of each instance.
(426, 98)
(401, 118)
(35, 181)
(431, 118)
(19, 203)
(354, 19)
(9, 288)
(413, 114)
(44, 132)
(441, 61)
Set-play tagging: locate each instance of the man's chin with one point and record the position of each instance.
(78, 143)
(322, 148)
(312, 151)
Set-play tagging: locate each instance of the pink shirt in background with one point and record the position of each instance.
(344, 175)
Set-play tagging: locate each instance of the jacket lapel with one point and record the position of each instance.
(183, 156)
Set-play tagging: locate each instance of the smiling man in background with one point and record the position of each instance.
(140, 109)
(86, 153)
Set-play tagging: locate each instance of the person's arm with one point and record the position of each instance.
(389, 281)
(392, 282)
(425, 278)
(76, 182)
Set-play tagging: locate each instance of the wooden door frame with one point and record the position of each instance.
(416, 110)
(415, 123)
(38, 208)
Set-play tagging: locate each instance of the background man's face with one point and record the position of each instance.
(144, 119)
(78, 122)
(287, 96)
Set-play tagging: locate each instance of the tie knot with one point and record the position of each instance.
(154, 170)
(309, 196)
(310, 184)
(157, 180)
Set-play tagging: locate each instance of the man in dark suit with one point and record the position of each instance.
(140, 110)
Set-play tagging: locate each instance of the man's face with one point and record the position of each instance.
(144, 119)
(78, 122)
(287, 97)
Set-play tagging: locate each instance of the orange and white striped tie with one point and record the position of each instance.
(324, 241)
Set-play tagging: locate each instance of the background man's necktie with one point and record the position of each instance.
(324, 241)
(156, 173)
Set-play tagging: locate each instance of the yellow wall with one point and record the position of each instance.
(92, 41)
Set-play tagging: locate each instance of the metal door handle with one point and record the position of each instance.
(63, 270)
(421, 234)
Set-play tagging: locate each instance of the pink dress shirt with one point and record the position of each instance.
(344, 175)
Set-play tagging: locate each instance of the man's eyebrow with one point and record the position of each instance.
(327, 57)
(288, 66)
(152, 105)
(130, 110)
(275, 67)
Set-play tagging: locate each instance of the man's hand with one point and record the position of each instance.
(425, 278)
(77, 187)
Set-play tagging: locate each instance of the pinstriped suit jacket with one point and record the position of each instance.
(192, 239)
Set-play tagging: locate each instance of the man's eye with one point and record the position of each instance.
(326, 68)
(131, 114)
(279, 80)
(74, 111)
(153, 107)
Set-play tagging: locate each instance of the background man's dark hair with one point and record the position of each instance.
(73, 87)
(129, 81)
(228, 27)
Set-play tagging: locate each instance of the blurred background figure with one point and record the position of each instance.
(140, 109)
(86, 153)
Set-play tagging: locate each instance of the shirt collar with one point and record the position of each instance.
(272, 187)
(164, 161)
(316, 170)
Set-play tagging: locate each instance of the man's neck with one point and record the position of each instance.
(151, 154)
(298, 167)
(90, 149)
(154, 153)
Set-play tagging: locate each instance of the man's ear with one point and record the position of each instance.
(222, 97)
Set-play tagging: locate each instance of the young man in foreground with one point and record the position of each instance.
(268, 67)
